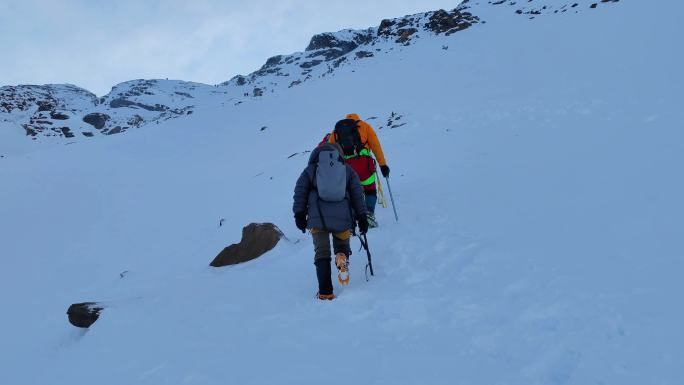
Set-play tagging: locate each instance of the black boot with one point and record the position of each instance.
(323, 272)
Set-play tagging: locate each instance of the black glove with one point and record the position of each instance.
(385, 171)
(362, 220)
(300, 221)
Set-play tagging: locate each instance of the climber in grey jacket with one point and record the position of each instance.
(315, 210)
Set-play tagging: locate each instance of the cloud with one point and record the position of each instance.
(97, 44)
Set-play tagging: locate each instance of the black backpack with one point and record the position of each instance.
(348, 137)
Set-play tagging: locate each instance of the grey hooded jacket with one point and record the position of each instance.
(337, 216)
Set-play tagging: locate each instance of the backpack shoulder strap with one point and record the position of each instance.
(313, 176)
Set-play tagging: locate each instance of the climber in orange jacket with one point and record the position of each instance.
(363, 163)
(369, 139)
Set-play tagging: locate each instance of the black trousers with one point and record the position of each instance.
(323, 258)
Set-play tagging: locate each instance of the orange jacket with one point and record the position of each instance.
(368, 137)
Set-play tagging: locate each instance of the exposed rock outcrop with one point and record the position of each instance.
(39, 108)
(96, 119)
(257, 239)
(327, 52)
(63, 111)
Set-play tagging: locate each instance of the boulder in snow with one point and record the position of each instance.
(84, 314)
(257, 239)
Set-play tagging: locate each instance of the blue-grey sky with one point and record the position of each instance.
(96, 44)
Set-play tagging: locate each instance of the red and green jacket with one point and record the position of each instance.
(364, 165)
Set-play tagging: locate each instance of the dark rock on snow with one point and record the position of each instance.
(328, 41)
(66, 131)
(363, 54)
(239, 80)
(405, 34)
(450, 22)
(310, 64)
(58, 115)
(257, 239)
(45, 105)
(114, 130)
(29, 130)
(96, 119)
(84, 314)
(120, 103)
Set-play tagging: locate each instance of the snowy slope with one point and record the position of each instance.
(535, 168)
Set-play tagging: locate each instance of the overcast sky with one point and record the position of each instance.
(97, 44)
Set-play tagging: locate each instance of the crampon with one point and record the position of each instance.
(342, 268)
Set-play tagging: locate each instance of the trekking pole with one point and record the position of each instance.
(389, 188)
(369, 265)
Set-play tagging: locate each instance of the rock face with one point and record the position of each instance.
(437, 22)
(66, 111)
(330, 46)
(43, 111)
(451, 22)
(330, 51)
(257, 239)
(96, 119)
(84, 314)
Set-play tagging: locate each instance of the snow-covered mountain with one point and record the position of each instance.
(328, 51)
(71, 113)
(67, 111)
(535, 159)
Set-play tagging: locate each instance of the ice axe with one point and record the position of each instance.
(364, 244)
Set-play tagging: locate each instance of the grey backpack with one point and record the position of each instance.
(331, 176)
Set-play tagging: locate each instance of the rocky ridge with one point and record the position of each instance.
(326, 52)
(67, 111)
